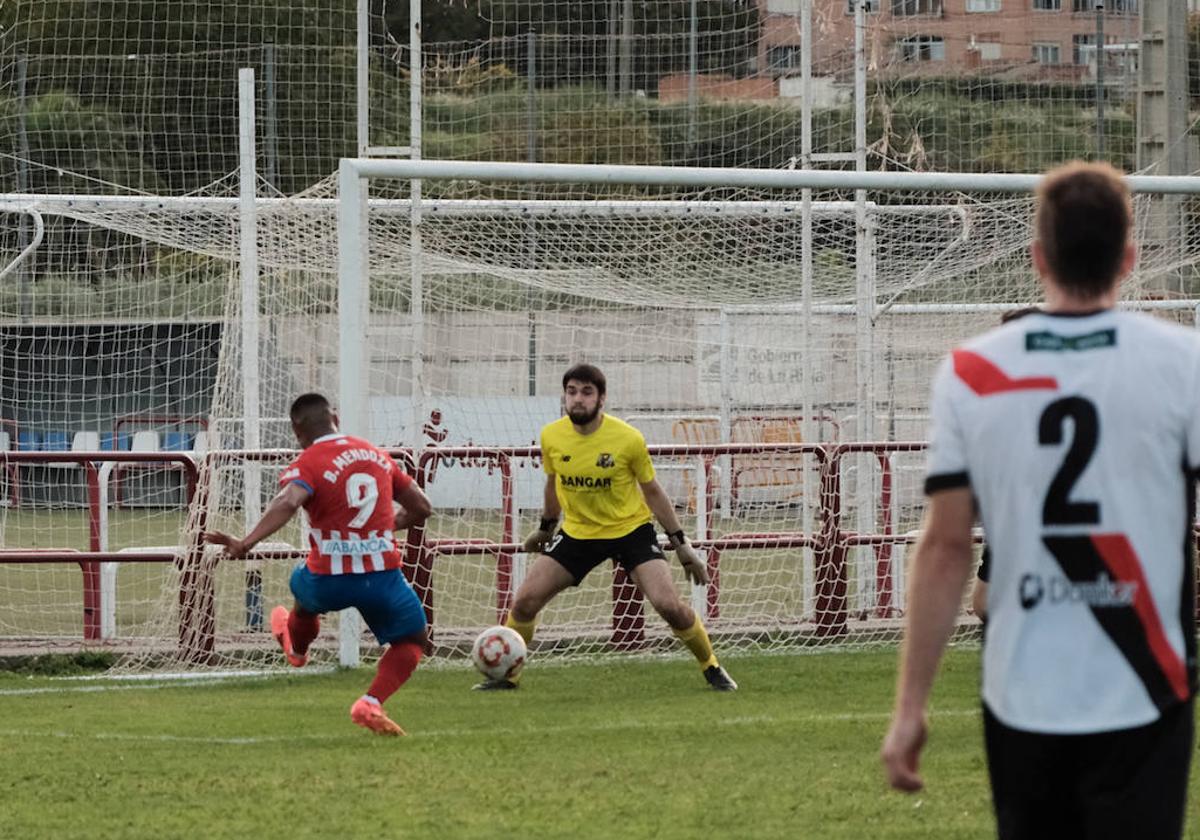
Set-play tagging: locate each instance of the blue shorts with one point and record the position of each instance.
(384, 599)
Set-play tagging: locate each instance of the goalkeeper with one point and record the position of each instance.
(600, 478)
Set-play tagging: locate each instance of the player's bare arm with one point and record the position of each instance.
(281, 510)
(941, 567)
(414, 508)
(551, 512)
(663, 508)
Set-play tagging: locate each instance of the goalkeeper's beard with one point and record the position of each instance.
(581, 416)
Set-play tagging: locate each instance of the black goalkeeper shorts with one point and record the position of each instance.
(581, 556)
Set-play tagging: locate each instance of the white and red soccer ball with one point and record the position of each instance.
(499, 653)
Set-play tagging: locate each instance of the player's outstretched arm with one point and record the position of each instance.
(281, 510)
(941, 566)
(663, 508)
(551, 510)
(415, 507)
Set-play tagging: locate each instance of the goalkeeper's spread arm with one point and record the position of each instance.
(664, 511)
(539, 539)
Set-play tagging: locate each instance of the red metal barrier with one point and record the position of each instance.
(14, 474)
(883, 551)
(197, 567)
(830, 545)
(154, 420)
(831, 563)
(89, 562)
(491, 458)
(628, 609)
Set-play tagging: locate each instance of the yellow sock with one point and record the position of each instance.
(525, 630)
(696, 639)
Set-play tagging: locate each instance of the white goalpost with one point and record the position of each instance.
(785, 421)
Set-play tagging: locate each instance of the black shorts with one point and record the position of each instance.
(581, 556)
(1121, 784)
(985, 564)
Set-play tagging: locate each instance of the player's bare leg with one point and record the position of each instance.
(546, 579)
(654, 580)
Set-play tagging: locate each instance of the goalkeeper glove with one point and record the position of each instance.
(693, 566)
(536, 542)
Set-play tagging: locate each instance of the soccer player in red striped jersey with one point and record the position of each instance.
(1075, 434)
(356, 499)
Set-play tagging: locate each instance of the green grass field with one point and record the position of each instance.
(619, 749)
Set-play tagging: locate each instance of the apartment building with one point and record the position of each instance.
(1024, 38)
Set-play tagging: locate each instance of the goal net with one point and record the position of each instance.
(775, 353)
(774, 347)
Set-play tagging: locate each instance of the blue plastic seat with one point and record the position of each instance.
(176, 441)
(56, 442)
(110, 442)
(29, 441)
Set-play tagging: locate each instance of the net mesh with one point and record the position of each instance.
(692, 302)
(118, 131)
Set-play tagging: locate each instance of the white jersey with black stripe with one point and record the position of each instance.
(1079, 436)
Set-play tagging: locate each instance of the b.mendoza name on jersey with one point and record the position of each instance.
(586, 482)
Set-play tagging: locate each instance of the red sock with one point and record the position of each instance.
(395, 667)
(303, 627)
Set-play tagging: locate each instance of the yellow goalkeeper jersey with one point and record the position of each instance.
(597, 477)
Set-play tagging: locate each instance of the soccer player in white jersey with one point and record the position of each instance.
(356, 498)
(1077, 432)
(599, 478)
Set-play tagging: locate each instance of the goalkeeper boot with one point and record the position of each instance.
(495, 685)
(370, 715)
(279, 629)
(719, 678)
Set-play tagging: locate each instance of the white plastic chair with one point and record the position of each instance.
(144, 441)
(80, 442)
(86, 442)
(200, 443)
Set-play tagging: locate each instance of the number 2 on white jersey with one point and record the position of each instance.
(361, 494)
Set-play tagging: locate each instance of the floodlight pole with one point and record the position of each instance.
(250, 329)
(693, 69)
(1099, 79)
(864, 272)
(808, 425)
(416, 304)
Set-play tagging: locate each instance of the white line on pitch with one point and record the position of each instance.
(92, 689)
(608, 726)
(195, 681)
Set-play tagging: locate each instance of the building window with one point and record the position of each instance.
(1045, 53)
(1047, 5)
(921, 48)
(1116, 7)
(983, 5)
(872, 6)
(908, 8)
(1080, 55)
(783, 58)
(988, 46)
